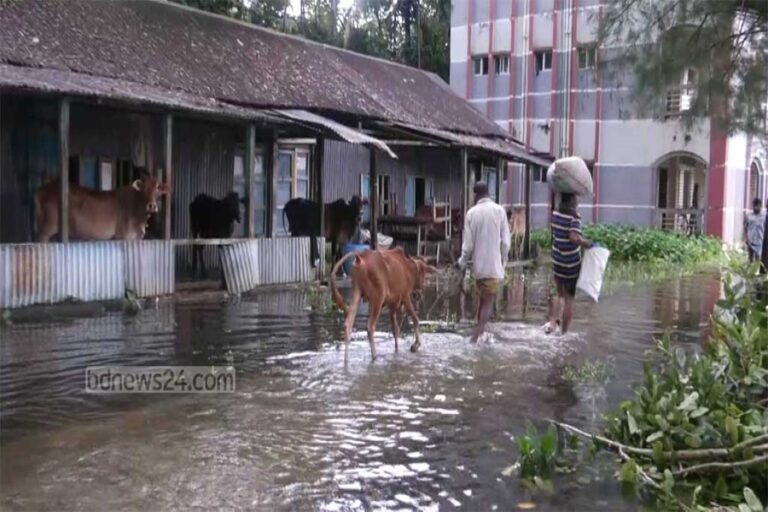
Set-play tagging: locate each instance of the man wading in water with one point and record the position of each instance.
(566, 260)
(486, 241)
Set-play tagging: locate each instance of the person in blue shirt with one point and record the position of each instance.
(567, 243)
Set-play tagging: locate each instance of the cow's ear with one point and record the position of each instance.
(136, 185)
(163, 188)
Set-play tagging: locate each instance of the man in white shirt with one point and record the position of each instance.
(486, 242)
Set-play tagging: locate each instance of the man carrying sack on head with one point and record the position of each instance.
(486, 242)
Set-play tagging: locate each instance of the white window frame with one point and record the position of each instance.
(501, 64)
(546, 59)
(480, 65)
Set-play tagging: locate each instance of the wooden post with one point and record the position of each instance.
(273, 159)
(250, 201)
(373, 199)
(527, 196)
(500, 163)
(64, 168)
(168, 178)
(465, 183)
(319, 155)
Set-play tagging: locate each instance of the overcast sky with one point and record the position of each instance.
(296, 5)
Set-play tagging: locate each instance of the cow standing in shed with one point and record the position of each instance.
(212, 218)
(341, 221)
(119, 214)
(382, 278)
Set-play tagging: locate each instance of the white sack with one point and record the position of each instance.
(570, 175)
(592, 271)
(384, 241)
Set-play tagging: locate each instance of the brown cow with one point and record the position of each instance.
(99, 215)
(382, 278)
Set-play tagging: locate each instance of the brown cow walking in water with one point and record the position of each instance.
(382, 278)
(119, 214)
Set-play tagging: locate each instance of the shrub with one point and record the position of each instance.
(643, 245)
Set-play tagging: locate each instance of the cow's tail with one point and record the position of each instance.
(337, 298)
(314, 252)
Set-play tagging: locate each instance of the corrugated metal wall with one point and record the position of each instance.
(48, 273)
(203, 162)
(29, 151)
(343, 163)
(150, 267)
(264, 261)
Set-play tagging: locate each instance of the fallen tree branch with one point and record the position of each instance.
(697, 454)
(708, 466)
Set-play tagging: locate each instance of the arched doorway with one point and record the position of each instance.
(681, 180)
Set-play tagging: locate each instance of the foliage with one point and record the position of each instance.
(591, 372)
(636, 244)
(725, 43)
(537, 452)
(131, 303)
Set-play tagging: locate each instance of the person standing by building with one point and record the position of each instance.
(567, 243)
(486, 242)
(754, 227)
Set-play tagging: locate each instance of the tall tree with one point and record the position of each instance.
(717, 50)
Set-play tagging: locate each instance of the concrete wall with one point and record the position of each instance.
(604, 123)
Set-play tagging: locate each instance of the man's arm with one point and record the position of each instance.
(506, 239)
(574, 235)
(467, 243)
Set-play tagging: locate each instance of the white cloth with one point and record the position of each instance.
(486, 240)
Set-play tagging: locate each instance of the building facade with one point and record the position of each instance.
(533, 67)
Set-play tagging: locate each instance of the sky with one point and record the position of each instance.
(296, 5)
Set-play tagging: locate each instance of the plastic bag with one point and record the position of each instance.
(592, 271)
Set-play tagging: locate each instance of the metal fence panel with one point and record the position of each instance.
(150, 267)
(49, 273)
(241, 265)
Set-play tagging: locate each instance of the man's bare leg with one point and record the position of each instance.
(567, 312)
(483, 315)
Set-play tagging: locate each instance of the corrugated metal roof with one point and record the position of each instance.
(507, 148)
(79, 84)
(346, 133)
(171, 47)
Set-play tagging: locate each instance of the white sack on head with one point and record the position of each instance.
(592, 271)
(570, 175)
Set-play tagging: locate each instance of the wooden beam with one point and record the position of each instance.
(168, 177)
(64, 168)
(465, 182)
(318, 177)
(273, 171)
(248, 164)
(527, 198)
(374, 199)
(500, 163)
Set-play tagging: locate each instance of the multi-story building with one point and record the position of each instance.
(532, 66)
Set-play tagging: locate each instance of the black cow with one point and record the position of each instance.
(212, 218)
(341, 221)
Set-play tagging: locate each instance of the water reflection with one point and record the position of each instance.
(428, 430)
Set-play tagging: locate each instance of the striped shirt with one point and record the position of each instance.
(566, 255)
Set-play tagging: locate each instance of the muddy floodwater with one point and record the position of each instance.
(434, 430)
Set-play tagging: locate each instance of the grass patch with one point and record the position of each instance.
(652, 247)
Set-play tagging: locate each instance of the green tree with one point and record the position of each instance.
(716, 50)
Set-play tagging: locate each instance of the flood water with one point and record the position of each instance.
(433, 430)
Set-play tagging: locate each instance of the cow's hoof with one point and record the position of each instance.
(415, 347)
